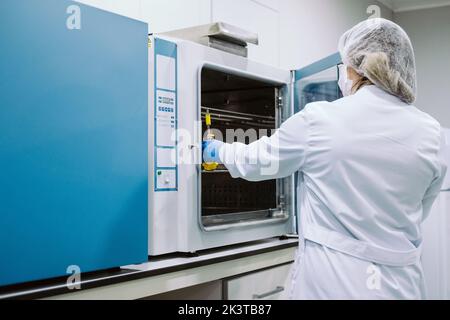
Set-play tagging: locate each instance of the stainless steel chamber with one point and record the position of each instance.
(242, 110)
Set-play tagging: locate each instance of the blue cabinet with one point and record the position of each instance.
(73, 139)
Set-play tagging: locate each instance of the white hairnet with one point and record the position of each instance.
(381, 51)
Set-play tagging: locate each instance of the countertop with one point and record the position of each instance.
(154, 269)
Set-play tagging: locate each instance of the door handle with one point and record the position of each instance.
(268, 294)
(194, 146)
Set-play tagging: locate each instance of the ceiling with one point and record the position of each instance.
(408, 5)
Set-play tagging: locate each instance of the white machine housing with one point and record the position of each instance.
(176, 223)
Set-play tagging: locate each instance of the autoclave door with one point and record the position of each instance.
(239, 103)
(316, 82)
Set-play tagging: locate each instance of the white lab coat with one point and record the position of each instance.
(370, 168)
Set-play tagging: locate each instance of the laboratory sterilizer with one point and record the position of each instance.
(73, 140)
(192, 209)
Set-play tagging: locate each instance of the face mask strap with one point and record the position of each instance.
(345, 84)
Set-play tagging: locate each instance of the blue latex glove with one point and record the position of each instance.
(211, 150)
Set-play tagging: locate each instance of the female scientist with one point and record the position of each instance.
(370, 169)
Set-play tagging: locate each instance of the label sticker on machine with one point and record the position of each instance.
(166, 180)
(167, 158)
(166, 76)
(166, 113)
(166, 118)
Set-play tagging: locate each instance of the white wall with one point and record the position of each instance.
(431, 40)
(162, 15)
(129, 8)
(293, 33)
(262, 17)
(310, 30)
(436, 249)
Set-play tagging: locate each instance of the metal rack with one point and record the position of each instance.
(224, 195)
(227, 117)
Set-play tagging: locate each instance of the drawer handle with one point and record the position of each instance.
(268, 294)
